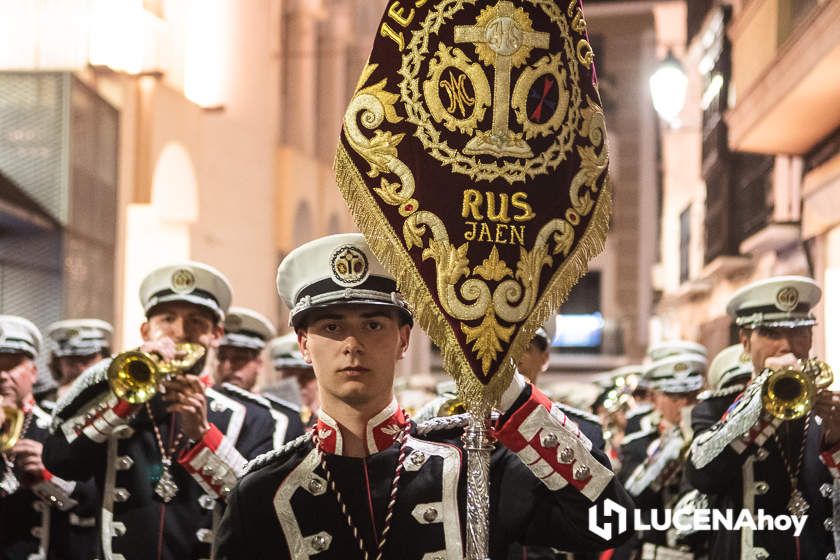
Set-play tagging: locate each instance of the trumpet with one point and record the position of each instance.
(789, 392)
(451, 407)
(134, 376)
(11, 429)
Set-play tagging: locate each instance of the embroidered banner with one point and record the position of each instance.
(473, 157)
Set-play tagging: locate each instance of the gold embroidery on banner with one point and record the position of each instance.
(504, 36)
(550, 67)
(464, 294)
(585, 54)
(493, 268)
(487, 338)
(453, 71)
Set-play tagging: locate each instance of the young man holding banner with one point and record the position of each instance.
(368, 481)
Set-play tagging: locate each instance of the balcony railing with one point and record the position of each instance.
(753, 193)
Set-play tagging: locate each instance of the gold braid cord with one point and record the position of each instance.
(444, 96)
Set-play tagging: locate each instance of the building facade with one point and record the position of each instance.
(743, 173)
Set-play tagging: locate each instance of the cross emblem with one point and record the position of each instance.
(510, 39)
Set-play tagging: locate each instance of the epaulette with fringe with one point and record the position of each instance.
(282, 402)
(247, 395)
(567, 409)
(733, 390)
(95, 374)
(272, 456)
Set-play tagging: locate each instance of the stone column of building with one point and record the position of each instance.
(301, 47)
(332, 91)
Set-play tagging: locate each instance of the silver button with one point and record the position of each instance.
(78, 428)
(761, 488)
(90, 417)
(204, 535)
(566, 456)
(217, 406)
(207, 470)
(581, 472)
(826, 490)
(119, 529)
(206, 501)
(549, 440)
(417, 458)
(430, 515)
(224, 491)
(121, 495)
(217, 480)
(319, 543)
(828, 524)
(316, 486)
(761, 454)
(124, 462)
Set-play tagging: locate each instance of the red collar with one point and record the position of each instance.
(382, 430)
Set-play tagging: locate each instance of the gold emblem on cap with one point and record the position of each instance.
(787, 298)
(233, 322)
(349, 266)
(183, 281)
(681, 367)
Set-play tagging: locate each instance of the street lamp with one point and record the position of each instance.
(668, 87)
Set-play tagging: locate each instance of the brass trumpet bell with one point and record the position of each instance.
(134, 376)
(10, 431)
(789, 393)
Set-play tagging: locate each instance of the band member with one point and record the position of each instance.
(750, 459)
(240, 363)
(41, 515)
(289, 363)
(160, 465)
(367, 480)
(656, 482)
(728, 374)
(533, 362)
(643, 429)
(77, 345)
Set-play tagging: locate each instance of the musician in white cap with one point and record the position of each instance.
(41, 515)
(161, 465)
(77, 344)
(747, 458)
(288, 362)
(367, 481)
(239, 364)
(655, 483)
(728, 375)
(644, 421)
